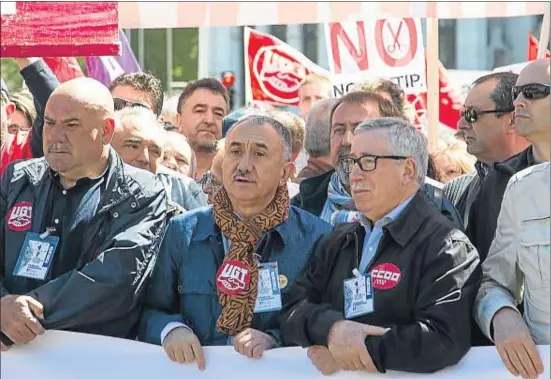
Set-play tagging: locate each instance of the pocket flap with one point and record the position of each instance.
(535, 232)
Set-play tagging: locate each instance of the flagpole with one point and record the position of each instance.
(203, 62)
(544, 33)
(433, 84)
(141, 48)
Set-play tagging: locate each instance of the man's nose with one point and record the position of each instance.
(56, 134)
(347, 140)
(245, 163)
(143, 156)
(462, 124)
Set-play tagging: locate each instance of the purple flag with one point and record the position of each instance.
(107, 69)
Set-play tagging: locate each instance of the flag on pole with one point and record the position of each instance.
(107, 69)
(64, 68)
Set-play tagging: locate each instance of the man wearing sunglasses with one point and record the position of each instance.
(532, 122)
(138, 89)
(488, 127)
(517, 266)
(394, 290)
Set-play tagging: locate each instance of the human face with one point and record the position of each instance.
(6, 112)
(253, 166)
(532, 116)
(74, 136)
(18, 123)
(345, 120)
(133, 95)
(377, 192)
(178, 154)
(139, 145)
(200, 119)
(486, 137)
(310, 94)
(446, 169)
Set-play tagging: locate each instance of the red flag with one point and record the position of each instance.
(64, 68)
(533, 48)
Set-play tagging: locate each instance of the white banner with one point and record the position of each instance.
(65, 355)
(391, 48)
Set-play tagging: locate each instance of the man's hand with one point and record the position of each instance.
(515, 345)
(252, 343)
(346, 343)
(183, 346)
(323, 360)
(18, 318)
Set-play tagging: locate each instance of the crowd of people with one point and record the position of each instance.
(182, 223)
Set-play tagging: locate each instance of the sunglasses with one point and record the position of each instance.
(471, 115)
(121, 103)
(532, 91)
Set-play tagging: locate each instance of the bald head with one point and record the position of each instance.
(318, 129)
(78, 127)
(88, 92)
(535, 72)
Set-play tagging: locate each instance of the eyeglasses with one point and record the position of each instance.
(532, 91)
(366, 162)
(207, 179)
(121, 103)
(472, 115)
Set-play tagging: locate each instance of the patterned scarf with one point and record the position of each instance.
(238, 309)
(339, 206)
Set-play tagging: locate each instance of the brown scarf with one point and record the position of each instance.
(238, 307)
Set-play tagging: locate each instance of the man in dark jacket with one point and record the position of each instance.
(393, 291)
(79, 229)
(328, 195)
(532, 123)
(488, 125)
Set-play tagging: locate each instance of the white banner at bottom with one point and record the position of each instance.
(66, 355)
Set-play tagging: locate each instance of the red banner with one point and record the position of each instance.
(59, 29)
(533, 48)
(274, 70)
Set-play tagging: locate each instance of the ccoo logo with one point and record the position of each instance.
(385, 276)
(19, 216)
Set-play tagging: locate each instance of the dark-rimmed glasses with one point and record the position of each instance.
(367, 162)
(121, 103)
(472, 115)
(531, 91)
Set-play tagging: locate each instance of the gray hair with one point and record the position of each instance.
(282, 131)
(317, 138)
(142, 114)
(404, 140)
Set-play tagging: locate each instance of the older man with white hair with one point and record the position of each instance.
(140, 140)
(394, 290)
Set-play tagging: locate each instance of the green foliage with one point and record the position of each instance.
(10, 73)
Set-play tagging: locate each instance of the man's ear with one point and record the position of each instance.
(10, 110)
(289, 169)
(109, 125)
(410, 171)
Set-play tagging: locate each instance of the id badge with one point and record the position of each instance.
(35, 257)
(268, 298)
(358, 296)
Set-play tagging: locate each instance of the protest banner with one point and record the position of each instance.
(533, 48)
(66, 355)
(391, 48)
(274, 70)
(59, 29)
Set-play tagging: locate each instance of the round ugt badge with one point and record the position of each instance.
(233, 277)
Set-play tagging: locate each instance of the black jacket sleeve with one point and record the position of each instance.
(440, 335)
(112, 285)
(306, 319)
(3, 210)
(41, 82)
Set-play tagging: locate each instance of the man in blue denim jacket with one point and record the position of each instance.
(224, 271)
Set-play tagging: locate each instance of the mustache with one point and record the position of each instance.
(55, 148)
(360, 187)
(242, 174)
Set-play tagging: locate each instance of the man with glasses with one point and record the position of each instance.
(393, 290)
(531, 105)
(487, 126)
(138, 89)
(328, 195)
(517, 266)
